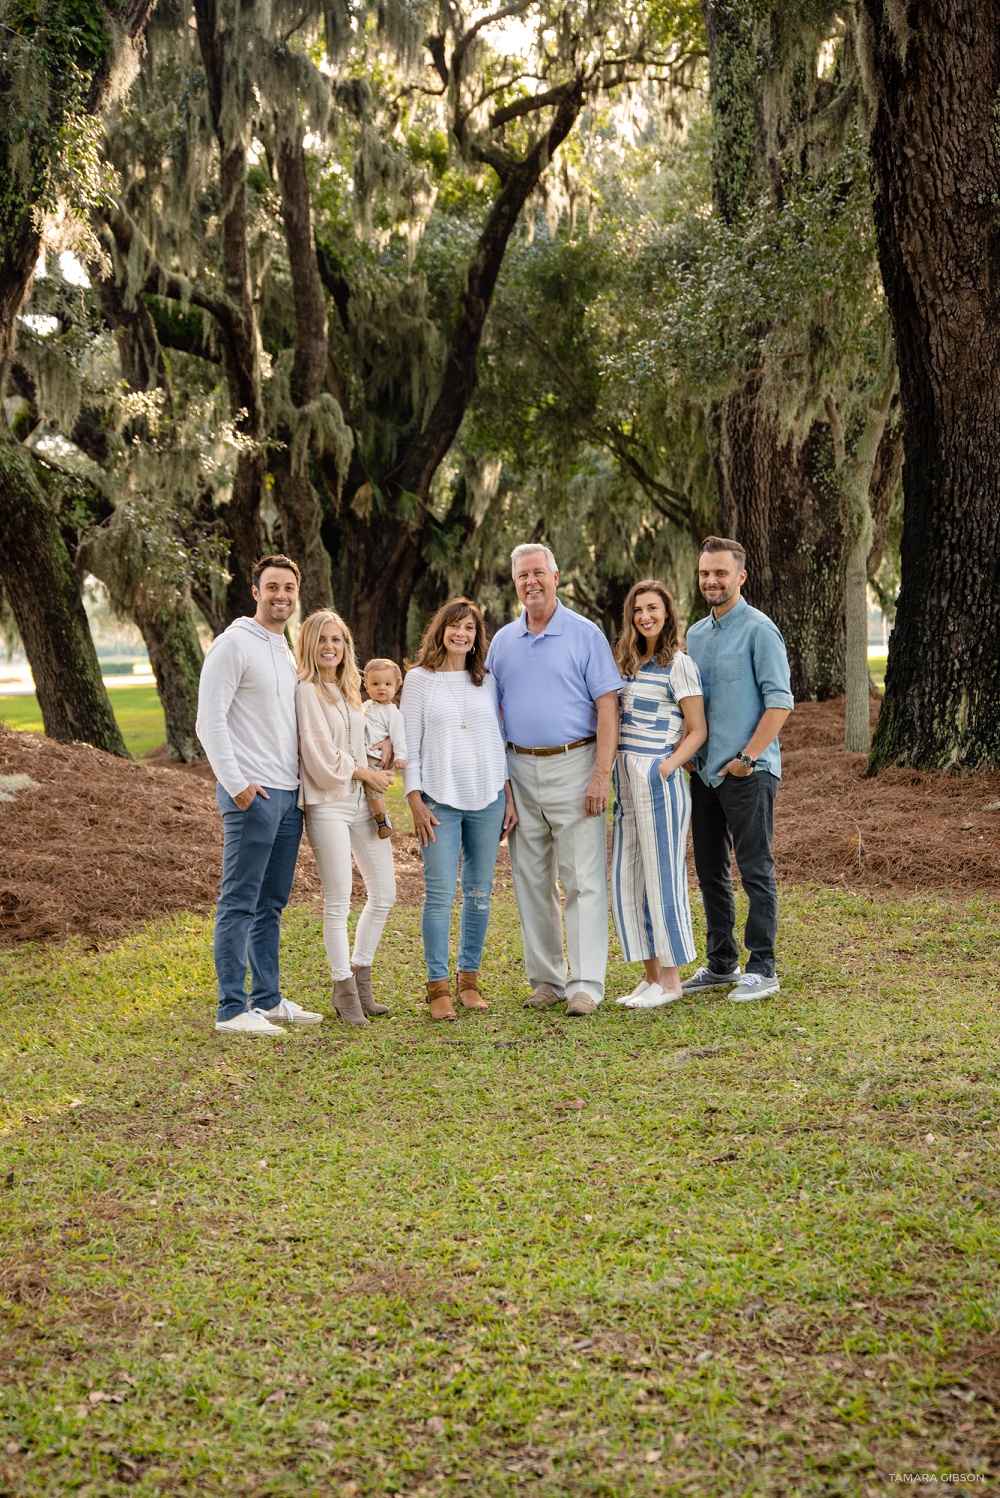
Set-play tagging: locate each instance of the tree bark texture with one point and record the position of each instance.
(240, 342)
(43, 591)
(936, 163)
(382, 567)
(784, 507)
(175, 655)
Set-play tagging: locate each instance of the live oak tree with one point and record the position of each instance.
(59, 66)
(804, 443)
(289, 211)
(933, 76)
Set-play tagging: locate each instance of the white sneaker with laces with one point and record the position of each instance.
(754, 986)
(627, 998)
(250, 1022)
(653, 998)
(290, 1013)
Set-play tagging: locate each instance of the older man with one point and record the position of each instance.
(558, 686)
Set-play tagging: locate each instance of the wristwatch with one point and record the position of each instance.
(745, 759)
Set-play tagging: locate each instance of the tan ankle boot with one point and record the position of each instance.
(468, 992)
(363, 978)
(439, 997)
(346, 1001)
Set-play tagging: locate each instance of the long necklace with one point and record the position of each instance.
(341, 706)
(465, 692)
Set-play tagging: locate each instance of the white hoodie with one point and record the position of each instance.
(246, 709)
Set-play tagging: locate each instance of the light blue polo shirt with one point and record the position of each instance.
(744, 669)
(548, 682)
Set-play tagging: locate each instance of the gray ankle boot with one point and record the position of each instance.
(346, 1001)
(363, 977)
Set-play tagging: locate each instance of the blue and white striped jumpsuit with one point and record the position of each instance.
(649, 887)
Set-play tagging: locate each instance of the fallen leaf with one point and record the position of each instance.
(582, 1345)
(434, 1425)
(510, 1309)
(13, 1448)
(653, 1456)
(929, 1139)
(576, 1104)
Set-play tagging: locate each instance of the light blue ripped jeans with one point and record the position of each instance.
(476, 835)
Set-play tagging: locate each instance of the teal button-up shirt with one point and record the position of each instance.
(744, 669)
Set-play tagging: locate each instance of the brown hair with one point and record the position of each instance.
(381, 663)
(348, 677)
(629, 648)
(720, 543)
(275, 561)
(432, 654)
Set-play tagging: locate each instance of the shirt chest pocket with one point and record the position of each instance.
(650, 708)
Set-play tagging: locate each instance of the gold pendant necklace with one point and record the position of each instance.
(465, 693)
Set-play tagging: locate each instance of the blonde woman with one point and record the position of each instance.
(662, 723)
(333, 769)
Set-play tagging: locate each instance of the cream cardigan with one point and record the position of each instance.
(330, 748)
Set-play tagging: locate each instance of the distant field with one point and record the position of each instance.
(876, 669)
(137, 709)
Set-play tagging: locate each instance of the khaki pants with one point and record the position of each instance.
(554, 838)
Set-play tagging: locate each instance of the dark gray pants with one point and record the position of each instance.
(737, 816)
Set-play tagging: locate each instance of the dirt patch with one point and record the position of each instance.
(902, 830)
(100, 844)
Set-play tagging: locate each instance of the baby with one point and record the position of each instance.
(383, 720)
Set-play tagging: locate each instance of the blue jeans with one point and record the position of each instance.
(259, 851)
(476, 834)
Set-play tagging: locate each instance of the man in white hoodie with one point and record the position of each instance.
(246, 723)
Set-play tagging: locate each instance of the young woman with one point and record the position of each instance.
(662, 724)
(457, 787)
(333, 768)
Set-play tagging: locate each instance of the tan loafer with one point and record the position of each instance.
(580, 1004)
(543, 997)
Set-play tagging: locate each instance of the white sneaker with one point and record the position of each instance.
(653, 998)
(250, 1022)
(293, 1014)
(754, 986)
(627, 998)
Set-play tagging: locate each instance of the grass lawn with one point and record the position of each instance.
(137, 709)
(876, 669)
(713, 1249)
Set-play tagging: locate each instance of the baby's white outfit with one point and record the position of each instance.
(383, 720)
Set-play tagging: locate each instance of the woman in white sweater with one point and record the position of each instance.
(457, 787)
(333, 767)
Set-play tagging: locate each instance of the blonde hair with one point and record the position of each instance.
(347, 677)
(382, 663)
(629, 649)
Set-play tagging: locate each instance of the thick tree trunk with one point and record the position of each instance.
(936, 163)
(857, 733)
(301, 519)
(42, 589)
(229, 101)
(785, 508)
(175, 655)
(383, 568)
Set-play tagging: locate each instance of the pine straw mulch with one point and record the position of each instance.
(102, 845)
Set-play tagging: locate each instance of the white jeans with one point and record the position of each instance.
(555, 837)
(337, 830)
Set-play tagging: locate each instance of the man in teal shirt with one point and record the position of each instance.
(744, 671)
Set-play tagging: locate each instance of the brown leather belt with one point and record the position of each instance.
(558, 749)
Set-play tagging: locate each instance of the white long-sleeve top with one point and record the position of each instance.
(246, 709)
(331, 744)
(456, 749)
(383, 720)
